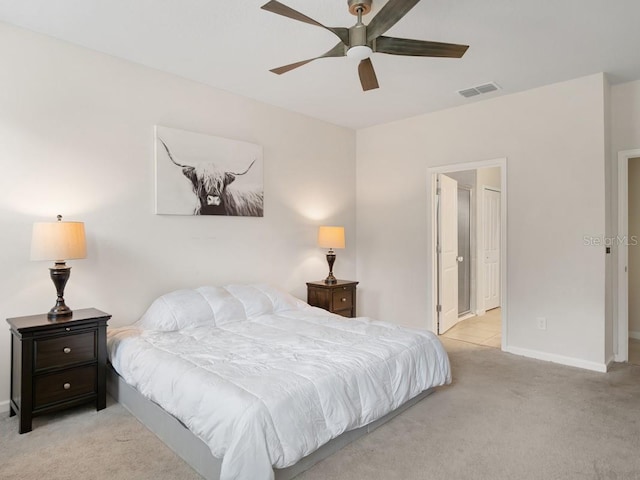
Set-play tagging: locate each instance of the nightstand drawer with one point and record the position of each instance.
(339, 297)
(59, 387)
(65, 350)
(343, 299)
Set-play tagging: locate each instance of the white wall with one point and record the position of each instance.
(489, 177)
(553, 138)
(76, 137)
(625, 116)
(464, 177)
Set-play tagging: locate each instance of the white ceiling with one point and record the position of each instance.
(231, 45)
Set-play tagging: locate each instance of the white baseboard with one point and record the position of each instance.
(634, 334)
(611, 360)
(4, 406)
(551, 357)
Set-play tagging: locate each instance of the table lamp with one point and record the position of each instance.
(58, 241)
(331, 237)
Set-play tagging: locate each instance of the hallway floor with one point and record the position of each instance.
(634, 351)
(483, 330)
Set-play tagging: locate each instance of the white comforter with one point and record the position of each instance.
(263, 378)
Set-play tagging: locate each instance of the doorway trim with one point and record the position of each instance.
(622, 324)
(432, 225)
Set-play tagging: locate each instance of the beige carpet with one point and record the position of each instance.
(504, 417)
(88, 445)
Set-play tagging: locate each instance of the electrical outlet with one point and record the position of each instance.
(542, 323)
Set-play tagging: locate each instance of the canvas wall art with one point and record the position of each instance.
(199, 174)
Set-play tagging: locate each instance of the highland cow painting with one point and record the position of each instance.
(199, 174)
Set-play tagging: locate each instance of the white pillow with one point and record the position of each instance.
(176, 310)
(216, 306)
(280, 299)
(225, 308)
(255, 302)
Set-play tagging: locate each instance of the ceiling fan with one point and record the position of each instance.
(361, 41)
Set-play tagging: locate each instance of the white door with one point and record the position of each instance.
(447, 253)
(491, 248)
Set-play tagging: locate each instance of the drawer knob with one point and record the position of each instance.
(68, 329)
(343, 299)
(67, 386)
(66, 350)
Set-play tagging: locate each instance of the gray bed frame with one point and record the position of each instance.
(198, 455)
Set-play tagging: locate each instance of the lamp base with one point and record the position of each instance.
(59, 275)
(331, 258)
(330, 280)
(59, 311)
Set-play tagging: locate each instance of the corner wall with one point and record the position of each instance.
(554, 141)
(76, 129)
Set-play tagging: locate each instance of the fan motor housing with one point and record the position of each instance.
(354, 5)
(358, 35)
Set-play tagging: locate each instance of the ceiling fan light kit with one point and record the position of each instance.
(361, 41)
(359, 52)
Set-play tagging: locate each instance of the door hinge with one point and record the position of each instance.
(439, 308)
(438, 191)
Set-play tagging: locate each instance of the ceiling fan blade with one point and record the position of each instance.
(418, 48)
(276, 7)
(291, 66)
(367, 74)
(338, 51)
(386, 18)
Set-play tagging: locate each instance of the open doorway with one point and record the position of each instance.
(627, 326)
(468, 251)
(634, 259)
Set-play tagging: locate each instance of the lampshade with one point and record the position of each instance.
(331, 237)
(58, 241)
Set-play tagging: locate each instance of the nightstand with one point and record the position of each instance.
(338, 298)
(57, 364)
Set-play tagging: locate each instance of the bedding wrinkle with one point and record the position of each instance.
(369, 321)
(263, 379)
(364, 335)
(174, 387)
(206, 299)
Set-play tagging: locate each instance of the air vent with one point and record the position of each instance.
(469, 92)
(480, 89)
(487, 87)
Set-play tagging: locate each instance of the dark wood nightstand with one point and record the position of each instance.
(338, 298)
(57, 364)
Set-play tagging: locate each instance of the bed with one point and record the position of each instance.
(262, 380)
